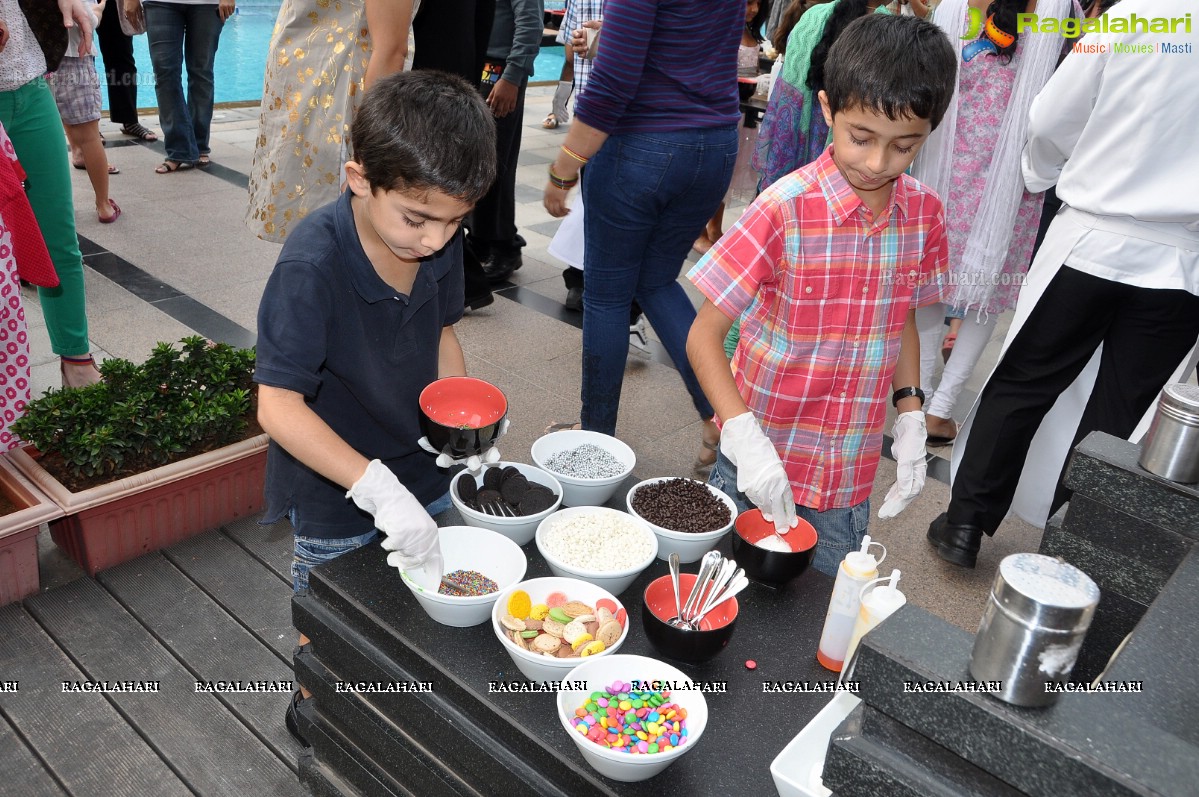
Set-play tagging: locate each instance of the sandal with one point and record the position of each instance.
(82, 371)
(116, 213)
(563, 426)
(550, 122)
(83, 166)
(704, 462)
(204, 162)
(137, 130)
(168, 166)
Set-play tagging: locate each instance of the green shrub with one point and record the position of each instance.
(178, 402)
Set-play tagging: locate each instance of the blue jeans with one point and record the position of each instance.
(179, 33)
(312, 551)
(838, 531)
(648, 197)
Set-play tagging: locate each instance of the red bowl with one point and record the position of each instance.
(771, 567)
(715, 629)
(462, 415)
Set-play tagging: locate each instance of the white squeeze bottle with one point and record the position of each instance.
(879, 600)
(857, 568)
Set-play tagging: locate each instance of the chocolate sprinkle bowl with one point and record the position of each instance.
(687, 516)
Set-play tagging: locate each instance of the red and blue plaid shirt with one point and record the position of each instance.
(823, 290)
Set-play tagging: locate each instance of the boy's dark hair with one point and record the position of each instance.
(899, 66)
(425, 130)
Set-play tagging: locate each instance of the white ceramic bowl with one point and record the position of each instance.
(615, 581)
(600, 672)
(576, 491)
(470, 548)
(535, 666)
(690, 547)
(518, 529)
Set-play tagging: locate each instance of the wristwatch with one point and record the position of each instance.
(906, 392)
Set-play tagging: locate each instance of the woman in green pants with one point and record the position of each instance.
(28, 113)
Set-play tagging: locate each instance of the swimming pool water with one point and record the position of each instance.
(241, 57)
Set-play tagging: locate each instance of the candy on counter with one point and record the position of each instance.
(638, 722)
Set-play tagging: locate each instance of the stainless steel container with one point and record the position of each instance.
(1033, 627)
(1171, 448)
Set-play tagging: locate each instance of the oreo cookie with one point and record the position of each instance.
(467, 489)
(493, 477)
(514, 488)
(508, 472)
(488, 496)
(537, 500)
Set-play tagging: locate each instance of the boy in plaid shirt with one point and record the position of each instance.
(825, 270)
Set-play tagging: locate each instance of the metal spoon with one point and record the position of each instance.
(720, 588)
(674, 582)
(734, 587)
(708, 589)
(707, 566)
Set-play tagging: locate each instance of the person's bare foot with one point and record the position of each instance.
(940, 430)
(79, 371)
(709, 445)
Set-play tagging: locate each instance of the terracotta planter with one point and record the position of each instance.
(18, 533)
(124, 519)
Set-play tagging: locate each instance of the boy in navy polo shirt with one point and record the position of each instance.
(357, 318)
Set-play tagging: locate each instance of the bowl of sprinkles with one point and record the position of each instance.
(688, 517)
(634, 718)
(605, 546)
(478, 564)
(548, 625)
(589, 465)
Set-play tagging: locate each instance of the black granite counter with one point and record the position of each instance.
(365, 625)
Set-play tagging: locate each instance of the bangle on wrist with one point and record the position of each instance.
(582, 161)
(907, 392)
(562, 182)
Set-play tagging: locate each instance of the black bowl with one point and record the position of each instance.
(715, 629)
(461, 415)
(764, 565)
(746, 88)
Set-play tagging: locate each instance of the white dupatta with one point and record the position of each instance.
(990, 236)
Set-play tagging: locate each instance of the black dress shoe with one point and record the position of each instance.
(474, 303)
(957, 543)
(501, 265)
(574, 299)
(292, 720)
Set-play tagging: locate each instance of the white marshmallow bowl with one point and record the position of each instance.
(690, 547)
(537, 666)
(518, 529)
(601, 672)
(614, 581)
(577, 491)
(471, 548)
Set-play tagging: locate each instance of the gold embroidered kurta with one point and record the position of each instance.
(314, 74)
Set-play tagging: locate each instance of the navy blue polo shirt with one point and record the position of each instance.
(360, 353)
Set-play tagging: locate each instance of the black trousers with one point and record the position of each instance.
(1145, 334)
(493, 223)
(120, 70)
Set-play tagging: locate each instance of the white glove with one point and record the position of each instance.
(910, 464)
(475, 462)
(760, 472)
(409, 530)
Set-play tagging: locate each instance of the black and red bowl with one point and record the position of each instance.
(746, 86)
(764, 565)
(715, 629)
(461, 415)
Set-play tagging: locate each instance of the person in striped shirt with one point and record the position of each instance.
(826, 269)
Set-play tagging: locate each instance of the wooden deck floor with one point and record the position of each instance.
(213, 608)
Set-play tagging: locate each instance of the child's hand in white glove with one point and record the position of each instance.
(760, 472)
(410, 533)
(910, 465)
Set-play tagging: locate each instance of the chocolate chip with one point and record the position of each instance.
(681, 505)
(467, 488)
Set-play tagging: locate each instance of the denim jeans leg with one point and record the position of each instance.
(165, 31)
(838, 531)
(645, 194)
(204, 27)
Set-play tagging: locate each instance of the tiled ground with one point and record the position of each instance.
(185, 231)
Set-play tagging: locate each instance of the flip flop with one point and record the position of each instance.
(139, 131)
(116, 213)
(169, 166)
(563, 426)
(83, 166)
(204, 162)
